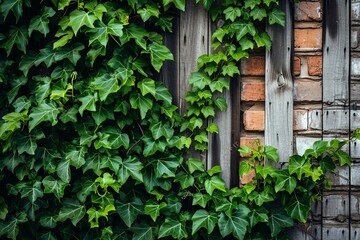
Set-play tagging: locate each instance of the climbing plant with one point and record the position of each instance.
(92, 146)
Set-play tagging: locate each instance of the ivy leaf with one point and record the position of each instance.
(343, 157)
(246, 43)
(27, 142)
(11, 227)
(148, 12)
(63, 170)
(144, 104)
(202, 218)
(47, 236)
(11, 161)
(102, 114)
(27, 62)
(284, 181)
(236, 224)
(63, 3)
(129, 211)
(41, 22)
(88, 102)
(48, 221)
(232, 13)
(299, 165)
(146, 86)
(105, 84)
(32, 191)
(65, 37)
(220, 84)
(42, 89)
(262, 197)
(16, 84)
(271, 153)
(212, 128)
(162, 93)
(80, 18)
(195, 165)
(298, 208)
(199, 80)
(75, 156)
(230, 69)
(278, 220)
(143, 231)
(72, 210)
(185, 180)
(153, 208)
(42, 113)
(257, 215)
(277, 16)
(15, 6)
(131, 166)
(3, 209)
(220, 102)
(201, 199)
(55, 186)
(214, 183)
(159, 130)
(101, 31)
(47, 56)
(158, 54)
(18, 36)
(172, 228)
(72, 54)
(252, 3)
(258, 13)
(166, 167)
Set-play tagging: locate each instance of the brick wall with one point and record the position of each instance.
(307, 80)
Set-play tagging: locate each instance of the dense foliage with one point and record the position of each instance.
(92, 146)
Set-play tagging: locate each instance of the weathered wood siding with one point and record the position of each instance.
(279, 86)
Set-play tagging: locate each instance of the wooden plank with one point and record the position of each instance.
(193, 42)
(279, 86)
(336, 50)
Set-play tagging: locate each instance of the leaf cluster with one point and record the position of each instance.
(92, 146)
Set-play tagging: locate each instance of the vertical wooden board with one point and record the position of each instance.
(170, 71)
(336, 50)
(279, 86)
(336, 206)
(336, 120)
(193, 42)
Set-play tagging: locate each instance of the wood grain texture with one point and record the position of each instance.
(279, 87)
(336, 50)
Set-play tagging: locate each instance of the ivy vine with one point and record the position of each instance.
(92, 146)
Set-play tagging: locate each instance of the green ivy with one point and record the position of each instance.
(92, 146)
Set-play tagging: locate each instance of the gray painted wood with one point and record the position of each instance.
(336, 50)
(194, 41)
(279, 86)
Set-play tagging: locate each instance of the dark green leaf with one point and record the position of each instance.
(42, 113)
(105, 84)
(257, 215)
(195, 165)
(72, 210)
(143, 231)
(144, 104)
(11, 228)
(277, 16)
(278, 220)
(298, 208)
(18, 36)
(203, 219)
(80, 18)
(158, 54)
(173, 228)
(41, 22)
(236, 224)
(232, 13)
(129, 211)
(214, 183)
(55, 186)
(153, 208)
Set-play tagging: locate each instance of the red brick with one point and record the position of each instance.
(308, 11)
(315, 65)
(297, 66)
(308, 38)
(307, 90)
(253, 91)
(250, 141)
(253, 66)
(254, 119)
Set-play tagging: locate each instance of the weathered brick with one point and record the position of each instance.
(355, 66)
(308, 11)
(308, 38)
(300, 120)
(355, 11)
(355, 37)
(253, 66)
(315, 119)
(315, 65)
(253, 91)
(307, 90)
(249, 140)
(297, 66)
(254, 119)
